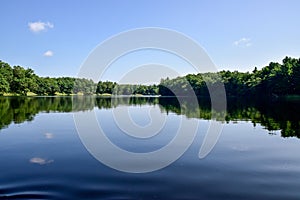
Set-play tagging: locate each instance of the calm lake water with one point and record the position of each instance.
(42, 155)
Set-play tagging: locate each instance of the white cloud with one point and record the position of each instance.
(48, 53)
(39, 26)
(243, 42)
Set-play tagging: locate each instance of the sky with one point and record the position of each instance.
(55, 37)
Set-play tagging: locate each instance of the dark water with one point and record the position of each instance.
(42, 157)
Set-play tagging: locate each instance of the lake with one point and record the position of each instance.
(44, 156)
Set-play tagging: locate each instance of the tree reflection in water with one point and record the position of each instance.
(280, 115)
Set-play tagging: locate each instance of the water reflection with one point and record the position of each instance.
(279, 115)
(48, 135)
(40, 161)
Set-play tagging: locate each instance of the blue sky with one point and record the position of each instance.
(237, 35)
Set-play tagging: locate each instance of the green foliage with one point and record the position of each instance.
(6, 71)
(127, 89)
(4, 85)
(105, 87)
(271, 81)
(66, 85)
(46, 86)
(85, 86)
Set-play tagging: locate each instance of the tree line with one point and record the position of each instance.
(275, 79)
(20, 81)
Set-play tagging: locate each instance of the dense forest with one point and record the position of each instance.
(276, 79)
(273, 80)
(17, 80)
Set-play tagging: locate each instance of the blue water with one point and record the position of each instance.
(44, 158)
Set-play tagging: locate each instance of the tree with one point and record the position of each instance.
(4, 85)
(19, 82)
(106, 87)
(84, 86)
(6, 71)
(66, 85)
